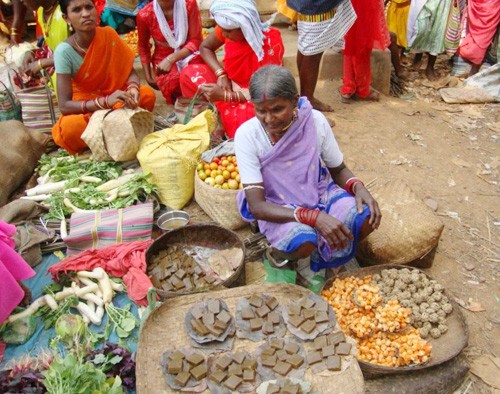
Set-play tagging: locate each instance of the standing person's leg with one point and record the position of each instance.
(308, 66)
(429, 71)
(363, 76)
(348, 87)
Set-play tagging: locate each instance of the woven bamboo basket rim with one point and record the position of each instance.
(164, 330)
(447, 346)
(162, 242)
(224, 197)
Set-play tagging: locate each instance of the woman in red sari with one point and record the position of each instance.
(175, 27)
(248, 45)
(95, 70)
(368, 32)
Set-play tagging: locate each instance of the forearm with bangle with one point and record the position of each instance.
(350, 183)
(306, 216)
(98, 103)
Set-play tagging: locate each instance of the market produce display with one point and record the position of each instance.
(284, 385)
(233, 372)
(222, 173)
(258, 317)
(281, 357)
(131, 38)
(185, 369)
(381, 324)
(209, 320)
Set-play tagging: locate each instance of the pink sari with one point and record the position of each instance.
(12, 269)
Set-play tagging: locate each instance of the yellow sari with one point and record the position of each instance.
(397, 18)
(55, 30)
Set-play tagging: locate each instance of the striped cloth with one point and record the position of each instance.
(318, 33)
(100, 229)
(40, 111)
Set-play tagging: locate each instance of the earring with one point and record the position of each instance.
(70, 27)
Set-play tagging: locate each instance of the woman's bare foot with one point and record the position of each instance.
(320, 106)
(431, 74)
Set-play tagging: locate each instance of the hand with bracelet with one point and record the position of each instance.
(165, 65)
(133, 90)
(223, 80)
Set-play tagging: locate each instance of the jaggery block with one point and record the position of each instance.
(256, 301)
(239, 357)
(296, 360)
(187, 283)
(224, 316)
(290, 388)
(308, 314)
(321, 317)
(277, 343)
(273, 389)
(320, 342)
(282, 355)
(182, 378)
(328, 351)
(209, 279)
(199, 327)
(208, 318)
(292, 348)
(262, 311)
(233, 382)
(256, 324)
(268, 351)
(249, 375)
(249, 363)
(268, 361)
(213, 306)
(177, 354)
(218, 376)
(314, 357)
(195, 359)
(282, 368)
(267, 328)
(220, 324)
(309, 326)
(296, 320)
(294, 309)
(322, 306)
(223, 362)
(343, 348)
(199, 372)
(175, 366)
(274, 318)
(272, 303)
(180, 273)
(247, 313)
(186, 367)
(235, 369)
(336, 337)
(197, 312)
(307, 303)
(333, 363)
(214, 330)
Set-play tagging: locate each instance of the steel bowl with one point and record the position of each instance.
(171, 220)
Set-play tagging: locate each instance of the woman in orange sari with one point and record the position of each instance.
(95, 71)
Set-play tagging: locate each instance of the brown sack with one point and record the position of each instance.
(20, 151)
(117, 134)
(409, 230)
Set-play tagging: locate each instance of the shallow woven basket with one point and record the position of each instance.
(409, 230)
(444, 348)
(219, 204)
(205, 235)
(206, 20)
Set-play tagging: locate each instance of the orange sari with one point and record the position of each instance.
(106, 68)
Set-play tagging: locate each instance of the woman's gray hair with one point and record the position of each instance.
(271, 82)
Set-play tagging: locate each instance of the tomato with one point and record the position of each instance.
(230, 167)
(213, 166)
(208, 172)
(202, 175)
(225, 163)
(226, 174)
(219, 180)
(199, 166)
(215, 160)
(206, 166)
(234, 174)
(233, 184)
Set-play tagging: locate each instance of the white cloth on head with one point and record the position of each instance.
(178, 37)
(241, 14)
(317, 37)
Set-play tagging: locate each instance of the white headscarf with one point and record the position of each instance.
(242, 14)
(178, 37)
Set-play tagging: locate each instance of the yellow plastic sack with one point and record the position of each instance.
(171, 156)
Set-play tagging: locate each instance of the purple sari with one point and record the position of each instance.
(294, 175)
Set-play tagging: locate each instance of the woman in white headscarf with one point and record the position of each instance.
(175, 27)
(248, 45)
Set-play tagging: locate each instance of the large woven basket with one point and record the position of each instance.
(409, 230)
(197, 235)
(444, 348)
(206, 20)
(219, 204)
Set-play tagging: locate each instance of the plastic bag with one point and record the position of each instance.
(171, 156)
(20, 331)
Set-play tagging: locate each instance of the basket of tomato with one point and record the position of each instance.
(216, 186)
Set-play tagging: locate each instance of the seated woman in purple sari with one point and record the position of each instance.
(305, 199)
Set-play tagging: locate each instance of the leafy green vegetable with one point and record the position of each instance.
(49, 316)
(121, 320)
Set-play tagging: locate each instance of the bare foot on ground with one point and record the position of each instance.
(320, 106)
(431, 74)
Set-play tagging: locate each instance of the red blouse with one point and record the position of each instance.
(148, 27)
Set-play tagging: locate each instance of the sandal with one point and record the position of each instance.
(346, 98)
(273, 261)
(372, 96)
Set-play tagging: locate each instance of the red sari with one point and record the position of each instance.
(105, 69)
(368, 32)
(240, 62)
(148, 27)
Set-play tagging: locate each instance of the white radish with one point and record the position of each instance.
(92, 297)
(85, 319)
(38, 197)
(80, 292)
(117, 286)
(90, 179)
(84, 156)
(35, 305)
(86, 311)
(112, 196)
(105, 285)
(90, 274)
(124, 193)
(70, 205)
(46, 188)
(115, 183)
(64, 293)
(44, 178)
(99, 313)
(64, 229)
(91, 306)
(51, 302)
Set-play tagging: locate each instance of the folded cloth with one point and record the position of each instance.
(125, 260)
(12, 269)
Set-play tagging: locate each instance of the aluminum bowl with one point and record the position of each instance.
(171, 220)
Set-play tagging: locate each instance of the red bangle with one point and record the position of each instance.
(349, 185)
(307, 216)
